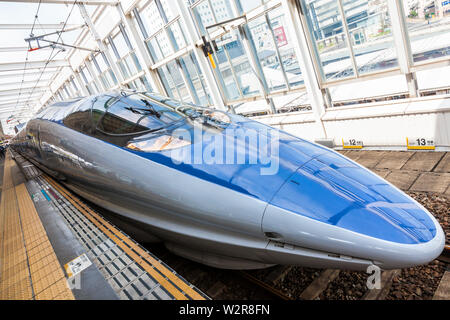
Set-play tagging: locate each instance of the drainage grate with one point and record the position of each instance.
(128, 279)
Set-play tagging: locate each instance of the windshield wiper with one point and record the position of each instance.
(145, 112)
(151, 108)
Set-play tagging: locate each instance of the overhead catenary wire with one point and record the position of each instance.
(51, 56)
(26, 58)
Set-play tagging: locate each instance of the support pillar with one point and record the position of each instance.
(403, 45)
(213, 87)
(140, 50)
(100, 43)
(305, 59)
(81, 84)
(94, 77)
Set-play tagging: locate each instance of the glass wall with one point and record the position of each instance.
(324, 22)
(103, 70)
(161, 30)
(67, 92)
(253, 53)
(88, 80)
(139, 84)
(173, 81)
(74, 87)
(428, 25)
(275, 50)
(160, 27)
(248, 5)
(370, 34)
(190, 67)
(238, 78)
(350, 37)
(253, 48)
(120, 48)
(234, 71)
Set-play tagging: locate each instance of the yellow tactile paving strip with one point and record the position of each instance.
(29, 268)
(177, 287)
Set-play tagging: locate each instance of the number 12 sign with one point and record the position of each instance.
(352, 144)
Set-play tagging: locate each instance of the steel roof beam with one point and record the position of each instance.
(23, 85)
(20, 74)
(13, 110)
(10, 106)
(5, 105)
(16, 49)
(23, 89)
(16, 92)
(12, 66)
(70, 2)
(18, 110)
(24, 95)
(11, 26)
(24, 98)
(15, 98)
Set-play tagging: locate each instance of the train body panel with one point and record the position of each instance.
(316, 209)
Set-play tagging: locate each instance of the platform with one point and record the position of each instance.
(443, 291)
(415, 171)
(54, 246)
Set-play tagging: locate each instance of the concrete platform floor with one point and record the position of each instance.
(419, 171)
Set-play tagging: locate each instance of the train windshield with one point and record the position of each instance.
(137, 113)
(134, 115)
(142, 121)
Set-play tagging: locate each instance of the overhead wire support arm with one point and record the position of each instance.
(54, 44)
(58, 32)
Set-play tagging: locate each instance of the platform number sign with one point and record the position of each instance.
(420, 143)
(352, 144)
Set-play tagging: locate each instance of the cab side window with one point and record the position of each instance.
(122, 118)
(83, 118)
(79, 121)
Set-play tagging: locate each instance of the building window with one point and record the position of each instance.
(121, 48)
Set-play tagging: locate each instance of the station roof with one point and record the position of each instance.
(25, 75)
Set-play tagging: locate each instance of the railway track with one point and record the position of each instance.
(218, 283)
(321, 283)
(277, 294)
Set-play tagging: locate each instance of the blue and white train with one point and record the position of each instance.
(319, 209)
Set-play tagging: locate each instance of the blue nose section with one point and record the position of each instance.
(334, 190)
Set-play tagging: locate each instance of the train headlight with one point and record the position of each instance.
(158, 144)
(219, 116)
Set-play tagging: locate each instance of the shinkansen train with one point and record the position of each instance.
(137, 155)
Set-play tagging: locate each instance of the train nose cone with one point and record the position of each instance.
(369, 212)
